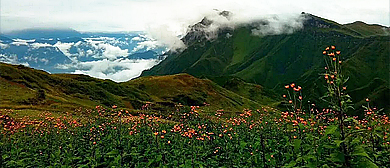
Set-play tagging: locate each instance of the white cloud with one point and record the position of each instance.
(89, 52)
(216, 19)
(137, 38)
(38, 45)
(100, 49)
(118, 70)
(11, 59)
(125, 15)
(31, 58)
(44, 60)
(109, 51)
(94, 41)
(101, 38)
(78, 43)
(148, 45)
(19, 42)
(3, 46)
(64, 48)
(67, 66)
(279, 25)
(166, 20)
(110, 63)
(112, 52)
(166, 37)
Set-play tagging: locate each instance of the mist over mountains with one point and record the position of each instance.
(273, 52)
(269, 51)
(115, 56)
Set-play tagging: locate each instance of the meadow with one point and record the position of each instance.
(299, 134)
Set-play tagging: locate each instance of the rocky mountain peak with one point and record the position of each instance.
(196, 32)
(317, 22)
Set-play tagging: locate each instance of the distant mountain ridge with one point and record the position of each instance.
(276, 60)
(68, 51)
(20, 85)
(47, 33)
(369, 29)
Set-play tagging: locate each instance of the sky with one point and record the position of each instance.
(172, 15)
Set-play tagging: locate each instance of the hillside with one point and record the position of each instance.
(368, 29)
(27, 88)
(275, 60)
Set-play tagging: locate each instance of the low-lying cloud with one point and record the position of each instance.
(100, 57)
(166, 37)
(119, 70)
(64, 48)
(148, 45)
(111, 52)
(215, 20)
(39, 45)
(96, 49)
(11, 59)
(3, 46)
(112, 62)
(279, 25)
(19, 42)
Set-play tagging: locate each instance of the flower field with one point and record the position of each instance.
(302, 135)
(261, 138)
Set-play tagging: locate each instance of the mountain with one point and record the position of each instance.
(69, 51)
(5, 40)
(45, 33)
(278, 59)
(369, 29)
(26, 88)
(144, 55)
(38, 55)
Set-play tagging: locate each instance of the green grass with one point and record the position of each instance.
(188, 90)
(65, 92)
(368, 29)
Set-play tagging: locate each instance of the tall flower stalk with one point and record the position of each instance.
(336, 95)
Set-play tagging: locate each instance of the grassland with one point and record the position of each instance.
(23, 88)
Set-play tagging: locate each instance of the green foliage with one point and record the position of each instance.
(274, 60)
(336, 95)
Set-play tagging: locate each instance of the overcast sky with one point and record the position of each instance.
(141, 15)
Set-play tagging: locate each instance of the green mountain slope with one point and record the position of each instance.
(26, 88)
(368, 29)
(275, 60)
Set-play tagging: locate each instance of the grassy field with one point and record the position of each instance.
(25, 88)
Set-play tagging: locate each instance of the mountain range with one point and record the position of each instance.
(22, 87)
(235, 68)
(279, 59)
(69, 51)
